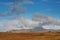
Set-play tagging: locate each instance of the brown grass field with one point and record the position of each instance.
(30, 36)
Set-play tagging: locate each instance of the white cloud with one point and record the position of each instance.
(55, 27)
(40, 21)
(47, 22)
(40, 17)
(19, 23)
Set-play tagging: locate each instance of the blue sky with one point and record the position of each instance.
(26, 9)
(46, 7)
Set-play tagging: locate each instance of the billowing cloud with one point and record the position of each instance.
(17, 24)
(54, 27)
(47, 22)
(40, 17)
(39, 22)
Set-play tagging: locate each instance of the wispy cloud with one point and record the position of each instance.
(28, 2)
(18, 1)
(6, 3)
(17, 7)
(58, 2)
(48, 9)
(45, 0)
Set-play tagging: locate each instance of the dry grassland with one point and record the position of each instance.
(30, 36)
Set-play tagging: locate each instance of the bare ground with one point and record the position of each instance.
(30, 36)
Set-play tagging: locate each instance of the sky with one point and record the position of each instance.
(46, 7)
(27, 8)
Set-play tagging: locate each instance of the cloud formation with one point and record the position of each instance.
(47, 22)
(18, 1)
(40, 17)
(19, 23)
(38, 22)
(17, 6)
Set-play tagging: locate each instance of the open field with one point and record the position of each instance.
(30, 36)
